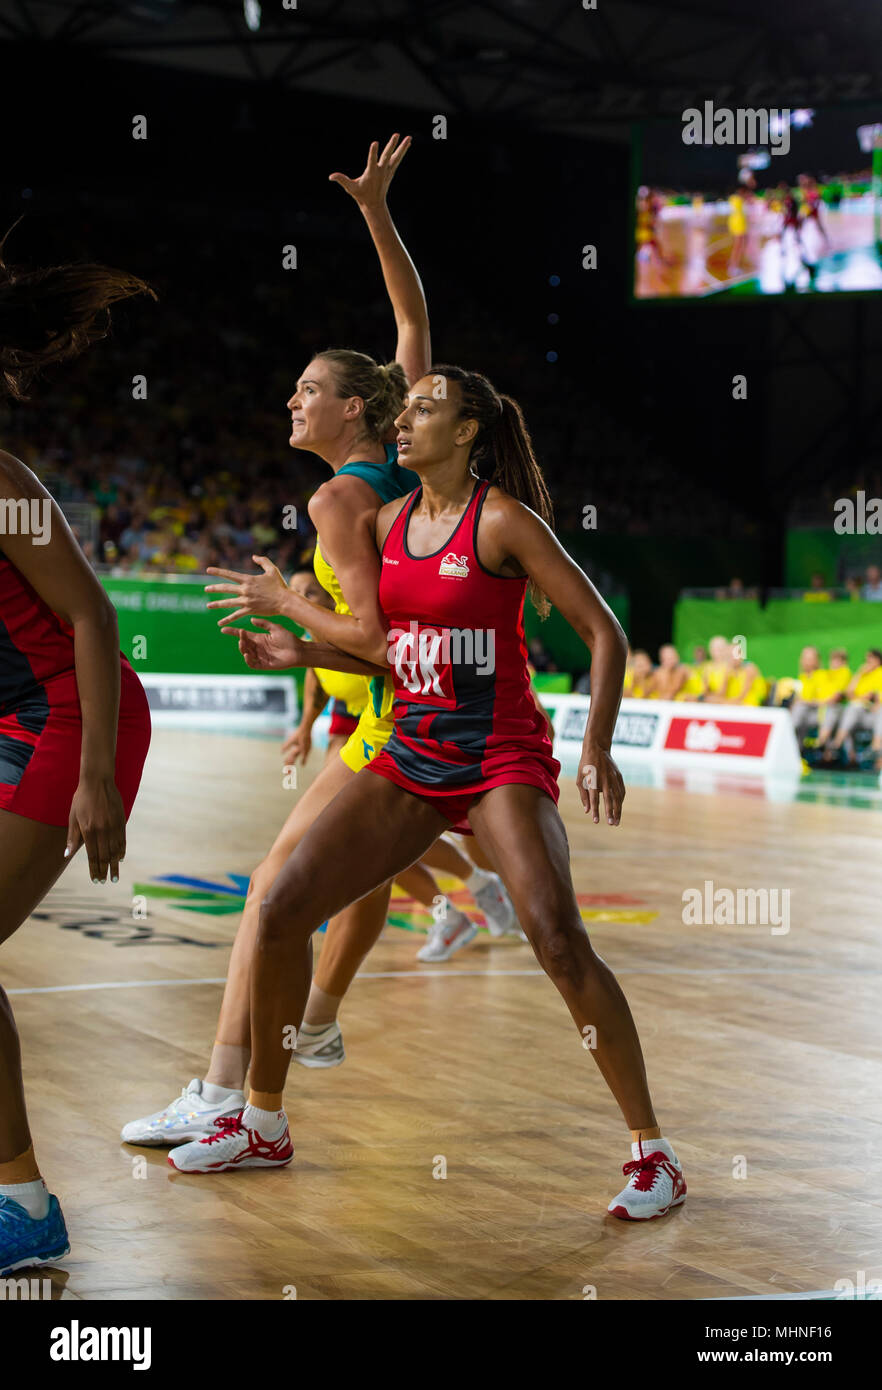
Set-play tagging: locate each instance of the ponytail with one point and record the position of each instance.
(503, 450)
(382, 388)
(53, 314)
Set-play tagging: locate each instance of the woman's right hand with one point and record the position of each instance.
(272, 649)
(370, 188)
(297, 745)
(98, 821)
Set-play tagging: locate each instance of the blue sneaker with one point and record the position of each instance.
(24, 1241)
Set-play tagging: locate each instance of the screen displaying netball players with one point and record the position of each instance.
(469, 749)
(74, 722)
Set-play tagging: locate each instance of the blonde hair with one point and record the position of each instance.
(382, 387)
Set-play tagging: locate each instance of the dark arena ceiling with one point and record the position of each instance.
(552, 64)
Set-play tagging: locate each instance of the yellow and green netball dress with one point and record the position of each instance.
(389, 480)
(351, 690)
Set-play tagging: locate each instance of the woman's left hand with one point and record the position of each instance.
(370, 188)
(599, 776)
(264, 594)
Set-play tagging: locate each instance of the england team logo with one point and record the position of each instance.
(455, 565)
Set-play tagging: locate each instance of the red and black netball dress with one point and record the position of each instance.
(465, 720)
(40, 721)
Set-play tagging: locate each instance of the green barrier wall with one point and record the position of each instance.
(820, 548)
(181, 635)
(776, 634)
(560, 641)
(170, 623)
(553, 682)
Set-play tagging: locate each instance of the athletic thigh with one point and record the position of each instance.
(31, 859)
(330, 779)
(523, 832)
(369, 832)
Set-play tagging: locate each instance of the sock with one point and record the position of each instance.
(33, 1196)
(321, 1007)
(652, 1146)
(228, 1065)
(310, 1031)
(216, 1094)
(477, 879)
(268, 1123)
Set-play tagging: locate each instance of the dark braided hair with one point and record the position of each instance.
(502, 451)
(53, 314)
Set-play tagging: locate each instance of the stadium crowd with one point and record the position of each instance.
(829, 704)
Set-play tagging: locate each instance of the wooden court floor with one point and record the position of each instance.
(763, 1050)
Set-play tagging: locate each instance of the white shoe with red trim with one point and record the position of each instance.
(233, 1146)
(450, 931)
(498, 909)
(655, 1182)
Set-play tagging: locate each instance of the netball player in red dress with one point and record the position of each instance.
(74, 722)
(469, 749)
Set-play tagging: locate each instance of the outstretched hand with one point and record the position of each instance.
(274, 648)
(254, 593)
(370, 188)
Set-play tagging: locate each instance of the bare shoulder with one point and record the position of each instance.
(501, 512)
(349, 496)
(386, 517)
(16, 476)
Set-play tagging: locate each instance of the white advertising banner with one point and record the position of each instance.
(733, 738)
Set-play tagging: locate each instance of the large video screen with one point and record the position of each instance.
(757, 202)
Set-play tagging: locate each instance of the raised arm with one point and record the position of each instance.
(403, 284)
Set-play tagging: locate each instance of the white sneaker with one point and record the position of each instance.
(188, 1117)
(320, 1049)
(497, 907)
(450, 930)
(655, 1185)
(233, 1146)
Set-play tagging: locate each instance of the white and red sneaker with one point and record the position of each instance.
(655, 1185)
(498, 909)
(449, 932)
(233, 1146)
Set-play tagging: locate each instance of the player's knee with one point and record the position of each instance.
(259, 884)
(561, 946)
(279, 925)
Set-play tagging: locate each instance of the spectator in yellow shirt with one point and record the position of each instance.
(830, 693)
(804, 709)
(746, 684)
(817, 592)
(638, 677)
(864, 708)
(716, 671)
(670, 676)
(693, 686)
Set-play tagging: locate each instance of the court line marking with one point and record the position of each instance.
(829, 1294)
(440, 975)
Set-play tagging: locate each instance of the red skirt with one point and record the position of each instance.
(40, 748)
(455, 805)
